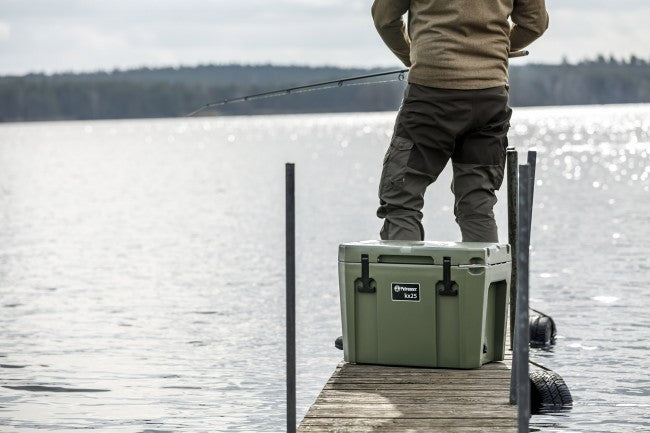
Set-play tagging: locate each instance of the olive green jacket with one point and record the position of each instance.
(458, 44)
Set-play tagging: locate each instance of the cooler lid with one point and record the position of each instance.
(425, 252)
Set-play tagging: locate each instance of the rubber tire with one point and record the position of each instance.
(554, 331)
(541, 331)
(548, 392)
(338, 343)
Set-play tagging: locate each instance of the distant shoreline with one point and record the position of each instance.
(174, 92)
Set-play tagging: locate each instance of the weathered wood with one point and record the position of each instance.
(459, 394)
(438, 373)
(399, 427)
(348, 424)
(503, 387)
(459, 400)
(401, 375)
(389, 410)
(414, 380)
(373, 398)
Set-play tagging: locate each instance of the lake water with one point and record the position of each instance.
(142, 264)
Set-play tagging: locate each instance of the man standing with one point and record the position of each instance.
(455, 106)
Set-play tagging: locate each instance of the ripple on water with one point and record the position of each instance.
(42, 388)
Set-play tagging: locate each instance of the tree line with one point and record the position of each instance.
(171, 92)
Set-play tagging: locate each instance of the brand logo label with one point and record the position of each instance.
(405, 292)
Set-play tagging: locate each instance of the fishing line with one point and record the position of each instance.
(334, 84)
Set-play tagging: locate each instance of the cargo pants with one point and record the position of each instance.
(434, 125)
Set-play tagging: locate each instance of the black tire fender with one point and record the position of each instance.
(548, 392)
(542, 331)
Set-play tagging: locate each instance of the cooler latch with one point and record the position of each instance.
(449, 288)
(365, 284)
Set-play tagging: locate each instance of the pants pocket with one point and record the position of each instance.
(395, 161)
(486, 145)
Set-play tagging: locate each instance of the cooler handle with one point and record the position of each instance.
(447, 285)
(365, 284)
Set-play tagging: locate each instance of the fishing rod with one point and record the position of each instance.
(321, 86)
(305, 88)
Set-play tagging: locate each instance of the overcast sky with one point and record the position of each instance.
(87, 35)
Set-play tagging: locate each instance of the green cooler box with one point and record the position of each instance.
(427, 304)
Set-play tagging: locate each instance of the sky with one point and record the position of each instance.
(88, 35)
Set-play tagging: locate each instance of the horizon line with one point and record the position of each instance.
(118, 69)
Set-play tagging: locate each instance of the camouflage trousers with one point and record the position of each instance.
(433, 126)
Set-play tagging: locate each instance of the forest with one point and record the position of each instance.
(172, 92)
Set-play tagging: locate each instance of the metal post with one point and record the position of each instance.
(291, 296)
(512, 157)
(522, 332)
(532, 162)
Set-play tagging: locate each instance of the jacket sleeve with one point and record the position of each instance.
(530, 22)
(387, 15)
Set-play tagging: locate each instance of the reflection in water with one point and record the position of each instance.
(147, 258)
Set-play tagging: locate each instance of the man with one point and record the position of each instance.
(455, 106)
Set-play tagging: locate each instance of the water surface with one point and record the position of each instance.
(142, 264)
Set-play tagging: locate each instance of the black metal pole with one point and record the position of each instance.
(532, 163)
(512, 158)
(522, 332)
(291, 296)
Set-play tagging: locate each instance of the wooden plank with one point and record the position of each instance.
(405, 424)
(457, 380)
(400, 427)
(369, 398)
(502, 387)
(428, 411)
(451, 373)
(436, 373)
(416, 392)
(432, 400)
(456, 395)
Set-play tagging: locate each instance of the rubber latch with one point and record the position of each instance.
(365, 284)
(447, 285)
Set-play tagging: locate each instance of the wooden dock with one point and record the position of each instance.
(371, 398)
